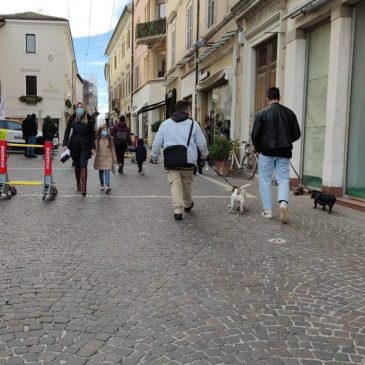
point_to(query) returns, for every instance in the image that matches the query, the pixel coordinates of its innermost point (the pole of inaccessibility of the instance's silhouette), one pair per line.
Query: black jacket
(82, 137)
(29, 127)
(274, 130)
(48, 130)
(140, 150)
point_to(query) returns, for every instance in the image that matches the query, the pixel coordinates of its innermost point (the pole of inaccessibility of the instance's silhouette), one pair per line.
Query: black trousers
(140, 164)
(120, 149)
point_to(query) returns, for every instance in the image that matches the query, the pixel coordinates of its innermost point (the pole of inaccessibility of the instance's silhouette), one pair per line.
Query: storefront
(316, 103)
(355, 176)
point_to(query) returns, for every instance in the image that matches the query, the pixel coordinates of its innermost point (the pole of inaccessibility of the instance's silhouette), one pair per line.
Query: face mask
(104, 133)
(80, 112)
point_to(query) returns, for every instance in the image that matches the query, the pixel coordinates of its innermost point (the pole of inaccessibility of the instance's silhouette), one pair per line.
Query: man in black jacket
(274, 131)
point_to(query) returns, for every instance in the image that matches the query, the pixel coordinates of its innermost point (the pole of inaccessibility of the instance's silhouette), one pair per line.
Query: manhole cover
(276, 240)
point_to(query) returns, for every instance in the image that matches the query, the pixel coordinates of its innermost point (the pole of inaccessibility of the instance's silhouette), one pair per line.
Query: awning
(220, 78)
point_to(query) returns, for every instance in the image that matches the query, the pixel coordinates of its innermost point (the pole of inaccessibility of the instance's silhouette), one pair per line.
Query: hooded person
(48, 129)
(184, 136)
(141, 154)
(122, 139)
(79, 138)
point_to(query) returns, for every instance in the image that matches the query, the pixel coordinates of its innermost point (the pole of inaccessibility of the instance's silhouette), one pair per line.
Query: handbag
(176, 156)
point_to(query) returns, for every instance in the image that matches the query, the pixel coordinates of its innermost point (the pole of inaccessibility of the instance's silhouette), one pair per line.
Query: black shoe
(120, 169)
(34, 156)
(178, 217)
(187, 210)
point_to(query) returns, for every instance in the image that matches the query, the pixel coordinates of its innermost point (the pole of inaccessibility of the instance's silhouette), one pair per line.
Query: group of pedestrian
(183, 142)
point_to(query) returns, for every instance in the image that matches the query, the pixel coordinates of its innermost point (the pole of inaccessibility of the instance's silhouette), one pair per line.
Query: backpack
(121, 137)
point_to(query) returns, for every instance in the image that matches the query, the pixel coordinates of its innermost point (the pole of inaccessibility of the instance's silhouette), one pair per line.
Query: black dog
(323, 199)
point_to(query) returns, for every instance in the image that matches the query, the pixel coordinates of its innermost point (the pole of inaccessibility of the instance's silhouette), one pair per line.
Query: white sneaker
(108, 189)
(267, 214)
(101, 187)
(284, 212)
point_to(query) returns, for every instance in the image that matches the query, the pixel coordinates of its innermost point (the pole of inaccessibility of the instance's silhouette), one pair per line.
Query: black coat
(82, 136)
(275, 129)
(29, 127)
(48, 130)
(141, 153)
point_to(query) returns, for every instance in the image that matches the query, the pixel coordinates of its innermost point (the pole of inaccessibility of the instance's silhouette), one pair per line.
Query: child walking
(141, 154)
(105, 157)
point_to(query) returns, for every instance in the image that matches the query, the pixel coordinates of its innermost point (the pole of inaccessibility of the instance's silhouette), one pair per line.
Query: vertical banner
(3, 157)
(47, 158)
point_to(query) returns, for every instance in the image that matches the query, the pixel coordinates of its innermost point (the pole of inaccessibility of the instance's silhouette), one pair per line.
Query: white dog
(238, 196)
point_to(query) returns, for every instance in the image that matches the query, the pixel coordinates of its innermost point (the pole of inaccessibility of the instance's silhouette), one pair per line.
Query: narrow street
(113, 279)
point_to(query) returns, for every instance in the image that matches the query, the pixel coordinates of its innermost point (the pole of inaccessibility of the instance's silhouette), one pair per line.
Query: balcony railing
(116, 104)
(151, 32)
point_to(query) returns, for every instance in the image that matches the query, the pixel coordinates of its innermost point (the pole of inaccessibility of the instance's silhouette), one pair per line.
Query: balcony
(116, 105)
(151, 33)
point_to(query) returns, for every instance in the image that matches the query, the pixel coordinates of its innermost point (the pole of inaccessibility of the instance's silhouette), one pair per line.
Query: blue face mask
(80, 112)
(104, 133)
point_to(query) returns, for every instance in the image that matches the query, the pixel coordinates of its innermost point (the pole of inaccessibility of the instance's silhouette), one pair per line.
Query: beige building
(201, 61)
(119, 77)
(37, 60)
(149, 66)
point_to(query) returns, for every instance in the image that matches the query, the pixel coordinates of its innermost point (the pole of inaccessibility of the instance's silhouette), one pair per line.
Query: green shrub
(155, 126)
(220, 148)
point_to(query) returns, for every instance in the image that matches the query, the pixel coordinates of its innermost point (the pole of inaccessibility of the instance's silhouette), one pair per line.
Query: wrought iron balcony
(116, 104)
(150, 33)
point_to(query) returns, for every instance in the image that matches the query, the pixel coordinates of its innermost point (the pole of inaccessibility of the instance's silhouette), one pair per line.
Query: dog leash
(300, 179)
(224, 178)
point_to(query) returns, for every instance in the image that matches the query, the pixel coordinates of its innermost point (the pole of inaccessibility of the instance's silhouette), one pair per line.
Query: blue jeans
(30, 150)
(107, 177)
(82, 160)
(267, 165)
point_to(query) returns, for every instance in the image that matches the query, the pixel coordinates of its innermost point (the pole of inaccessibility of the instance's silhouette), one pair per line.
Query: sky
(92, 23)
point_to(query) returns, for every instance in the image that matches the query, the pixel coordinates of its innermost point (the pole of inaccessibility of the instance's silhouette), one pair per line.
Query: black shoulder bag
(176, 156)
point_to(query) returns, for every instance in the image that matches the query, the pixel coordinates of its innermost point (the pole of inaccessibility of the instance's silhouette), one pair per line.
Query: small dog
(238, 196)
(323, 199)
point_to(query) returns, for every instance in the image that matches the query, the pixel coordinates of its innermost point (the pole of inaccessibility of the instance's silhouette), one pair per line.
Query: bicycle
(246, 167)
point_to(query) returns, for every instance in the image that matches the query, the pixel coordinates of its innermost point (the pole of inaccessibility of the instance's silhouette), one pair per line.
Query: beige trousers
(180, 182)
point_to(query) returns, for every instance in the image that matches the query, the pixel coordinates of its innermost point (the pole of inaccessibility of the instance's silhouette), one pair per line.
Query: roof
(29, 15)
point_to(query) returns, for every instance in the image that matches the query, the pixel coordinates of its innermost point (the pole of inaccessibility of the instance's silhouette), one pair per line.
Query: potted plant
(30, 99)
(155, 126)
(219, 151)
(68, 103)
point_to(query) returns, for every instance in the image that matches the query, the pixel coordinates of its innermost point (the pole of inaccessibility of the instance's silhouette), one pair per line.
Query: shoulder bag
(176, 156)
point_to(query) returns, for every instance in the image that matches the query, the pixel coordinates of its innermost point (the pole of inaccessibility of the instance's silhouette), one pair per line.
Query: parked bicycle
(246, 167)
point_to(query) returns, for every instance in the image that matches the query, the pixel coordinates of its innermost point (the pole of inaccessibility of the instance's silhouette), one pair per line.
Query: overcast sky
(103, 16)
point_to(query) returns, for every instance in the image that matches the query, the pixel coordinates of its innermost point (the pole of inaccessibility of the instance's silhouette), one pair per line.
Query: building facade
(119, 77)
(149, 66)
(37, 60)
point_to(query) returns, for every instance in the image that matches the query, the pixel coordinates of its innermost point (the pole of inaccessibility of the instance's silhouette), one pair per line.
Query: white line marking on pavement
(226, 186)
(127, 196)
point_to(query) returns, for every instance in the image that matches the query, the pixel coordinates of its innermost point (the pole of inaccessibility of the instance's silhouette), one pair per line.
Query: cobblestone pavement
(115, 280)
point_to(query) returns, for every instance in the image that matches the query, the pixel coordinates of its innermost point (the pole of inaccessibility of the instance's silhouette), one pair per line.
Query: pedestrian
(25, 133)
(31, 130)
(180, 136)
(122, 139)
(274, 130)
(80, 139)
(141, 154)
(49, 129)
(105, 157)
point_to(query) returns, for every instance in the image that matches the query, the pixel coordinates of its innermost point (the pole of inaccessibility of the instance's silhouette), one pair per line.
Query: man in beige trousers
(181, 130)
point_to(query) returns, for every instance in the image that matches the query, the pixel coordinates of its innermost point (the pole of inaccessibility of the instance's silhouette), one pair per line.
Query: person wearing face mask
(80, 139)
(105, 157)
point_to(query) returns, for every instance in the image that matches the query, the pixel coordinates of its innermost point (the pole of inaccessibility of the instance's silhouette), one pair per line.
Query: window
(128, 39)
(123, 50)
(14, 126)
(173, 47)
(30, 43)
(115, 62)
(189, 27)
(31, 85)
(161, 9)
(210, 19)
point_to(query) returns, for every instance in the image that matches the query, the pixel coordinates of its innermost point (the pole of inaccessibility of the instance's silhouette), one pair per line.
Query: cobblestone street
(113, 279)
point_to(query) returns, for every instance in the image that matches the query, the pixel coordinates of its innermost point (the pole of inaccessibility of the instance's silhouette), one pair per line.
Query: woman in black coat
(80, 139)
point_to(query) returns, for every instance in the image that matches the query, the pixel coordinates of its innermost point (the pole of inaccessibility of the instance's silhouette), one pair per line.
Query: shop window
(161, 9)
(30, 44)
(31, 85)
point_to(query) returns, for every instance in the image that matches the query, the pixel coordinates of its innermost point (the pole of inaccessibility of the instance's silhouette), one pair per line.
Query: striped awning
(220, 78)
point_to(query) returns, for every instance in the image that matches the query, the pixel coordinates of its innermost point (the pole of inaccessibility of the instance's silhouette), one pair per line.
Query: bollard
(4, 187)
(48, 158)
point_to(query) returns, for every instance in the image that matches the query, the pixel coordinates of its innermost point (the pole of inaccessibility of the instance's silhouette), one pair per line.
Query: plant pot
(222, 167)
